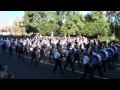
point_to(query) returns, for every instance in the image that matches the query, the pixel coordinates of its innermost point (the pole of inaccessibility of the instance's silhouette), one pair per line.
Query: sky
(7, 17)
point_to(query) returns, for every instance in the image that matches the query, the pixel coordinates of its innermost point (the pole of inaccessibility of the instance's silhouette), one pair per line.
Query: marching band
(97, 54)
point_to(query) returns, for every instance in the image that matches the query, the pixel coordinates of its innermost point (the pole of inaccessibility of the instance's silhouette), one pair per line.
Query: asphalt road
(26, 70)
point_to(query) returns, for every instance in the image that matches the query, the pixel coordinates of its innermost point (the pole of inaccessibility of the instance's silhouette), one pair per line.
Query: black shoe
(104, 70)
(92, 77)
(62, 73)
(109, 67)
(36, 64)
(82, 78)
(64, 69)
(73, 70)
(54, 71)
(101, 75)
(80, 65)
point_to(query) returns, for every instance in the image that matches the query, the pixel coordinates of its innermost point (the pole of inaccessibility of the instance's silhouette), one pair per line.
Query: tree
(31, 20)
(30, 29)
(67, 23)
(16, 24)
(96, 24)
(114, 20)
(113, 16)
(40, 20)
(74, 23)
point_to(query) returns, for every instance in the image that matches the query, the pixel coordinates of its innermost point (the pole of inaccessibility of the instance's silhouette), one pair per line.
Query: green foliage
(18, 29)
(30, 29)
(73, 24)
(104, 38)
(114, 20)
(67, 23)
(96, 24)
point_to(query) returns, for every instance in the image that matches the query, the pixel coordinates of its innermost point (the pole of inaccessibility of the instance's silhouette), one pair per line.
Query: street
(26, 70)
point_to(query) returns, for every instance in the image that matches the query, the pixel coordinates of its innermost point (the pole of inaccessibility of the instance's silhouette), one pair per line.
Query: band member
(58, 60)
(87, 66)
(4, 48)
(109, 60)
(34, 56)
(96, 66)
(76, 56)
(17, 48)
(116, 57)
(68, 55)
(25, 49)
(10, 50)
(51, 52)
(104, 60)
(42, 54)
(21, 51)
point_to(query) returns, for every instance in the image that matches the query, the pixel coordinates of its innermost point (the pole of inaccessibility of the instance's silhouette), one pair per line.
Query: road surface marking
(66, 68)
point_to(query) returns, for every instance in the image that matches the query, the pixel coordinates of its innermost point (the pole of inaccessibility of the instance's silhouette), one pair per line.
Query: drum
(103, 54)
(110, 52)
(114, 48)
(99, 57)
(95, 59)
(117, 46)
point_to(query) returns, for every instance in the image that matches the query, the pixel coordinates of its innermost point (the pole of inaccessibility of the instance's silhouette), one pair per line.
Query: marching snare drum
(99, 57)
(114, 48)
(110, 52)
(118, 47)
(103, 54)
(95, 59)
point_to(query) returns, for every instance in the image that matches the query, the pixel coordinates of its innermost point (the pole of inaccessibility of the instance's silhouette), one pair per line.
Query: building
(7, 30)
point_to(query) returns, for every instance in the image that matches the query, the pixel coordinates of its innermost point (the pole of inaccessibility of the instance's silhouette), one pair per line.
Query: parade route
(24, 70)
(60, 45)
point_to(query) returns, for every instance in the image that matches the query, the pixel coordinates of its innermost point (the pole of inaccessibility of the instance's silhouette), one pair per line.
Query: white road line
(76, 71)
(117, 64)
(66, 68)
